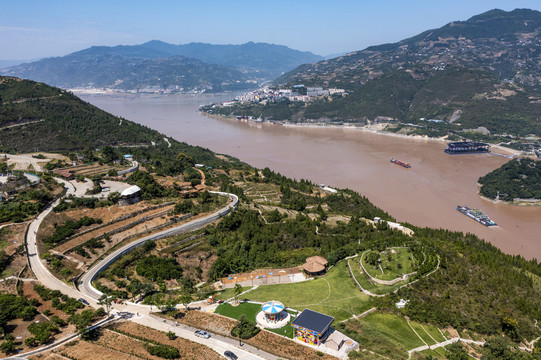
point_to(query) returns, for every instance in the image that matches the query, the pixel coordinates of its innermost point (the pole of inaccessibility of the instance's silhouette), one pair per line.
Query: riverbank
(516, 202)
(378, 129)
(425, 195)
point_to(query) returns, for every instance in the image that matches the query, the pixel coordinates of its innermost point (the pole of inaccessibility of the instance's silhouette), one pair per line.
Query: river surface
(425, 195)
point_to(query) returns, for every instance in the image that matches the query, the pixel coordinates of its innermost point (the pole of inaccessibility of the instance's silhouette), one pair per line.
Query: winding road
(90, 294)
(86, 281)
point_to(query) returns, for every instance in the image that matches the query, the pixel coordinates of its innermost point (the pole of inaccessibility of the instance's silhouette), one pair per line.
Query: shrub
(42, 331)
(244, 329)
(154, 267)
(164, 351)
(7, 347)
(30, 341)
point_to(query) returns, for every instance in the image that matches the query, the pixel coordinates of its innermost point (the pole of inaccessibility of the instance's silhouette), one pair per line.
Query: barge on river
(467, 147)
(476, 215)
(401, 163)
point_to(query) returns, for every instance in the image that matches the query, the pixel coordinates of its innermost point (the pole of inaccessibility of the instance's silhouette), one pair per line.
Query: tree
(321, 212)
(7, 346)
(171, 335)
(500, 348)
(185, 299)
(185, 161)
(183, 207)
(108, 154)
(237, 290)
(106, 300)
(30, 341)
(163, 351)
(457, 352)
(372, 258)
(244, 329)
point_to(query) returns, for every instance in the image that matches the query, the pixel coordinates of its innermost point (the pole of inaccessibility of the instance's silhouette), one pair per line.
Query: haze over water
(425, 195)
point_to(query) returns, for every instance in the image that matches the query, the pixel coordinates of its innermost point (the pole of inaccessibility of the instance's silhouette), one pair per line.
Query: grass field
(387, 335)
(393, 326)
(394, 264)
(438, 353)
(334, 294)
(229, 293)
(379, 289)
(250, 310)
(423, 334)
(434, 332)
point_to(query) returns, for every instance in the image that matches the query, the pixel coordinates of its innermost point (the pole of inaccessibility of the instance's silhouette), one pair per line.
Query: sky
(33, 29)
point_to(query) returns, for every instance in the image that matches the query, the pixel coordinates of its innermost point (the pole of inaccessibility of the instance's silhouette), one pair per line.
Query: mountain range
(482, 74)
(505, 43)
(160, 65)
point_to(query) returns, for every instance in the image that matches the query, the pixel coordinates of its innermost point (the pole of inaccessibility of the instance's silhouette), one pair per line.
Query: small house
(311, 326)
(315, 265)
(130, 196)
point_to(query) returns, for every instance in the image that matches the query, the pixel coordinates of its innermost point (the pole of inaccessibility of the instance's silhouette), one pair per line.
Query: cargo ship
(476, 215)
(401, 163)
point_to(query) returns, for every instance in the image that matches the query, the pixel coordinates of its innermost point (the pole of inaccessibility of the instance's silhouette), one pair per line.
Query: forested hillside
(463, 282)
(481, 75)
(518, 179)
(38, 117)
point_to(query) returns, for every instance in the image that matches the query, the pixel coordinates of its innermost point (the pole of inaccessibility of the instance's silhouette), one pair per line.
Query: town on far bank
(299, 92)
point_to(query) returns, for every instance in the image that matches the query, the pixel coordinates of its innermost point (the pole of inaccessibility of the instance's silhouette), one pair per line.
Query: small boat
(401, 163)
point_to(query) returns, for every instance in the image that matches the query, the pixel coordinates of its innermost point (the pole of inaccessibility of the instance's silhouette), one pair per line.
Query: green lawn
(433, 353)
(436, 334)
(250, 310)
(334, 294)
(287, 330)
(394, 327)
(229, 293)
(379, 289)
(441, 351)
(423, 334)
(393, 264)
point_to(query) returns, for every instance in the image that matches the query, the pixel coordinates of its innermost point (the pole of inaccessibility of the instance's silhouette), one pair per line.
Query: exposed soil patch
(12, 242)
(264, 340)
(190, 260)
(160, 213)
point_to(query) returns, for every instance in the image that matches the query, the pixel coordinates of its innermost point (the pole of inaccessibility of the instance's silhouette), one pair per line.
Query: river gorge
(425, 195)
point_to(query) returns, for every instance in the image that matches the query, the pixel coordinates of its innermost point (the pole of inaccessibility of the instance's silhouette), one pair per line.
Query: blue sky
(31, 29)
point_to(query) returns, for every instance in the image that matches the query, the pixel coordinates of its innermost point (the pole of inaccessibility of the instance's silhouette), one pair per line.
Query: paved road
(90, 294)
(37, 264)
(215, 342)
(86, 281)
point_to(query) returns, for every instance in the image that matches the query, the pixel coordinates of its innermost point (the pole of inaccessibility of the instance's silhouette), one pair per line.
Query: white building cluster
(266, 95)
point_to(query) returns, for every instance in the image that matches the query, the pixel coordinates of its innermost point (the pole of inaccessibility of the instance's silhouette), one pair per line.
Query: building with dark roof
(311, 326)
(467, 147)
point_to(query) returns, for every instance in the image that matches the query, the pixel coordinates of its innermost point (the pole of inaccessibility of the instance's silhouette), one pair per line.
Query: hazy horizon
(33, 29)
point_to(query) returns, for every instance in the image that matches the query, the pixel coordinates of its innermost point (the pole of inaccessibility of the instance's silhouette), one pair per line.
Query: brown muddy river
(425, 195)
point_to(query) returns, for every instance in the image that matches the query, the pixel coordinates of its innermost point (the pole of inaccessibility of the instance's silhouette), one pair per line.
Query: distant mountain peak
(506, 43)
